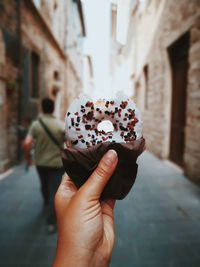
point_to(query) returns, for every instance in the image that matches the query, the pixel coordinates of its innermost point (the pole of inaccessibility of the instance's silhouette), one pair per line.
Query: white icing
(77, 129)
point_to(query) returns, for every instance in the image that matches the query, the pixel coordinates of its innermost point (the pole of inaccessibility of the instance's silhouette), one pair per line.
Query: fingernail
(110, 156)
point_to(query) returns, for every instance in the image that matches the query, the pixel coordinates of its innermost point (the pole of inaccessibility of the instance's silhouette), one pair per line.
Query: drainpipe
(19, 79)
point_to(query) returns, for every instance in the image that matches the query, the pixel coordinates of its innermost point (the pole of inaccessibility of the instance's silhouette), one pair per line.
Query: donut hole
(105, 126)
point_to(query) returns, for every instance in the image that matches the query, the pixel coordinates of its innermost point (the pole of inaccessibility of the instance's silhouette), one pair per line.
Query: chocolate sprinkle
(91, 121)
(72, 122)
(87, 127)
(123, 128)
(89, 115)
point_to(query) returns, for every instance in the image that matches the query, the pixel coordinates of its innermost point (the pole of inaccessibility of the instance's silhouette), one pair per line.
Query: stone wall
(169, 23)
(46, 35)
(74, 85)
(74, 50)
(192, 149)
(3, 133)
(52, 59)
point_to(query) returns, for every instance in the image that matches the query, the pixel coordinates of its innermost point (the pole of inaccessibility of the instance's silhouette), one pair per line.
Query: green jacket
(46, 153)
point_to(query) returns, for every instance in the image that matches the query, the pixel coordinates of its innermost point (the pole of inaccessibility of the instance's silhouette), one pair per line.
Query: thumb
(95, 184)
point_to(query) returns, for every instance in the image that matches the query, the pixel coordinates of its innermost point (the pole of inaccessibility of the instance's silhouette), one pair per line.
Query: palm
(97, 220)
(100, 220)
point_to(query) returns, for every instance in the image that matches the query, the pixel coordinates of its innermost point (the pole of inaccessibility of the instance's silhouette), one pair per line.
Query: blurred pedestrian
(85, 222)
(46, 135)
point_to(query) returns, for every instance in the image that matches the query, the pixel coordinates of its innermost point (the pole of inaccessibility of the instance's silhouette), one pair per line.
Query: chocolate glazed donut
(80, 163)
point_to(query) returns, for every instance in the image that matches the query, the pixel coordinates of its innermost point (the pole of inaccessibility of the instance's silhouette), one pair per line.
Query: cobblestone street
(158, 224)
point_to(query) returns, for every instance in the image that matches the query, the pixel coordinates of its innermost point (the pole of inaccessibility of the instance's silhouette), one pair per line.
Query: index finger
(95, 184)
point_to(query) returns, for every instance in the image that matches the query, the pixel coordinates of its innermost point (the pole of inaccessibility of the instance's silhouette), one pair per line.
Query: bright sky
(97, 19)
(97, 15)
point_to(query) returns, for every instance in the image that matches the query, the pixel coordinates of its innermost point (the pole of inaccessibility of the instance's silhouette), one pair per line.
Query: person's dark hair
(47, 105)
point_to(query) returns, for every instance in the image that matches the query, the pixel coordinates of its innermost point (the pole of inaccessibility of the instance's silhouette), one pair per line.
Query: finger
(67, 188)
(107, 210)
(69, 144)
(95, 184)
(110, 202)
(108, 206)
(63, 196)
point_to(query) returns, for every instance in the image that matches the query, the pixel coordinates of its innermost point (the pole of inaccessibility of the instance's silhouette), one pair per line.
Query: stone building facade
(165, 73)
(75, 33)
(34, 63)
(121, 56)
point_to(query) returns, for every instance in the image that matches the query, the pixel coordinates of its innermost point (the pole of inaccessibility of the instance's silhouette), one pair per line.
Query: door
(178, 54)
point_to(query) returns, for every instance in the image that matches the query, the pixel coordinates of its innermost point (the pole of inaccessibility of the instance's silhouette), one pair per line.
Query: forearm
(27, 146)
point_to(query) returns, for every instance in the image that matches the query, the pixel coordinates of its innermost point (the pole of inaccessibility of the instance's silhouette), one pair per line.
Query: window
(146, 85)
(90, 66)
(56, 20)
(137, 87)
(55, 4)
(114, 20)
(11, 43)
(34, 76)
(56, 75)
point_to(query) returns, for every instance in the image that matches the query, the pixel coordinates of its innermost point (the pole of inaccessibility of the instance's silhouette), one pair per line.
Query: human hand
(85, 223)
(26, 147)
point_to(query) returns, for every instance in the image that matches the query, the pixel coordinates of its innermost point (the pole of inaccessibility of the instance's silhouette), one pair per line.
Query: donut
(94, 127)
(89, 123)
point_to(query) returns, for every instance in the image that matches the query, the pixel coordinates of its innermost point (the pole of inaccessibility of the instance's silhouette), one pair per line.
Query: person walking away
(47, 155)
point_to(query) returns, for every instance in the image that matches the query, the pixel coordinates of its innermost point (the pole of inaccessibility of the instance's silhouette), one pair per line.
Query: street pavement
(157, 225)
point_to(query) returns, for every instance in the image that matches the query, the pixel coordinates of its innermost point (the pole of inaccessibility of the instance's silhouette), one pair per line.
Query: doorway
(178, 55)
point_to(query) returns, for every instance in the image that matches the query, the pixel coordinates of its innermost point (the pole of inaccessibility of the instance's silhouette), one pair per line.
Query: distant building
(75, 31)
(164, 45)
(36, 61)
(121, 60)
(88, 75)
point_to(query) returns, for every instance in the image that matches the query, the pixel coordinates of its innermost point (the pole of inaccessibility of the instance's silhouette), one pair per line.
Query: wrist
(78, 257)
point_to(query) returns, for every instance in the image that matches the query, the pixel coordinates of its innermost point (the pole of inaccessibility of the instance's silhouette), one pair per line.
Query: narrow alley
(156, 225)
(147, 51)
